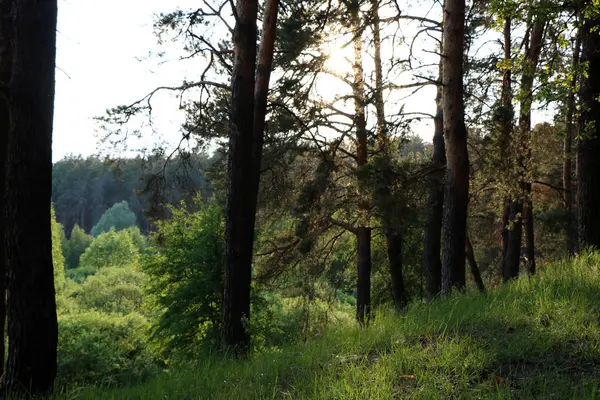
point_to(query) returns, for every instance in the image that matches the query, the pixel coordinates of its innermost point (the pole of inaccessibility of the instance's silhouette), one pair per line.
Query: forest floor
(534, 338)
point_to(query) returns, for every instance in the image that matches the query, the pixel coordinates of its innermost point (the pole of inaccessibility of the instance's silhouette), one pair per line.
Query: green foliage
(58, 260)
(184, 266)
(110, 249)
(532, 338)
(103, 349)
(111, 290)
(119, 217)
(75, 246)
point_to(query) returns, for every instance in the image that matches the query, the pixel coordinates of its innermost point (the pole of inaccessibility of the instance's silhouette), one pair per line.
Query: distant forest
(84, 188)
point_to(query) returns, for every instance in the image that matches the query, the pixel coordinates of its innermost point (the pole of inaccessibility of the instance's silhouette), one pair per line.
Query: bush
(75, 246)
(111, 290)
(103, 349)
(184, 266)
(111, 249)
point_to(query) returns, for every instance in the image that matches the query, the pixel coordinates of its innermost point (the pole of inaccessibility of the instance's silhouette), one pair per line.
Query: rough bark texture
(456, 195)
(261, 88)
(588, 155)
(505, 133)
(522, 208)
(240, 217)
(432, 261)
(5, 68)
(32, 328)
(475, 273)
(363, 236)
(570, 131)
(363, 285)
(393, 236)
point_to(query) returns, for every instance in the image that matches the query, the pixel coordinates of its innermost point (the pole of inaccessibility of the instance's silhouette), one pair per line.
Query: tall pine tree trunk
(588, 154)
(432, 261)
(506, 121)
(363, 236)
(523, 207)
(5, 68)
(456, 195)
(570, 131)
(393, 236)
(32, 327)
(240, 215)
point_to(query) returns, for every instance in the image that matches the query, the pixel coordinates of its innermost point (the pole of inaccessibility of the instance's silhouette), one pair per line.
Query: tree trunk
(473, 264)
(570, 229)
(518, 211)
(505, 134)
(363, 285)
(240, 216)
(5, 68)
(393, 235)
(261, 88)
(433, 229)
(456, 195)
(363, 236)
(588, 155)
(32, 327)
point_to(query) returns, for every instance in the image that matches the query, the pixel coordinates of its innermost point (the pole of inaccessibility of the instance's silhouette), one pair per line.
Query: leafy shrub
(75, 246)
(111, 249)
(111, 290)
(58, 260)
(119, 217)
(103, 349)
(184, 266)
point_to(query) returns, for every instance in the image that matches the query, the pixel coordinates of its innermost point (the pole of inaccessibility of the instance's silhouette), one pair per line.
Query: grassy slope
(537, 338)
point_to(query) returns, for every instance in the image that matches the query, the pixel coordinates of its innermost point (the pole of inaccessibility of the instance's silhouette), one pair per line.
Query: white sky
(99, 45)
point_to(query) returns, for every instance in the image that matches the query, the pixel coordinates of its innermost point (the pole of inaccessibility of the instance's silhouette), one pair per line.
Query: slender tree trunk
(363, 285)
(5, 68)
(456, 195)
(261, 88)
(363, 236)
(32, 327)
(240, 216)
(473, 264)
(393, 236)
(433, 229)
(588, 155)
(505, 134)
(570, 229)
(523, 207)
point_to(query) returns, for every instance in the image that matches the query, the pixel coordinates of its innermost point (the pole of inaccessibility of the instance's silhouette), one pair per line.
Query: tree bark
(5, 68)
(475, 273)
(433, 229)
(32, 327)
(505, 134)
(363, 284)
(363, 236)
(570, 229)
(240, 216)
(393, 236)
(456, 195)
(588, 154)
(522, 208)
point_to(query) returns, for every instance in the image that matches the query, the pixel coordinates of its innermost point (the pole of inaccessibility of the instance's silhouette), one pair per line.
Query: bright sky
(100, 44)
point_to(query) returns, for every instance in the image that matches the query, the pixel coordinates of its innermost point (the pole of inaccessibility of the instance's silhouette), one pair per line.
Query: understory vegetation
(533, 338)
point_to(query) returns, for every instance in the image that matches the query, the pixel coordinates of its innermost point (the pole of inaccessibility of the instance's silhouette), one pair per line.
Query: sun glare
(339, 56)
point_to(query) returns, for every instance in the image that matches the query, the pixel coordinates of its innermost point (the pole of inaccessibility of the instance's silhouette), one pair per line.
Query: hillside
(534, 338)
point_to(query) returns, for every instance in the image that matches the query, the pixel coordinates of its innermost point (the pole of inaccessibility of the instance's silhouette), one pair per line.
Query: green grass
(535, 338)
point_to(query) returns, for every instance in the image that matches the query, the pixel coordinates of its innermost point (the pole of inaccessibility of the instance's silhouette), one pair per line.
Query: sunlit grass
(535, 338)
